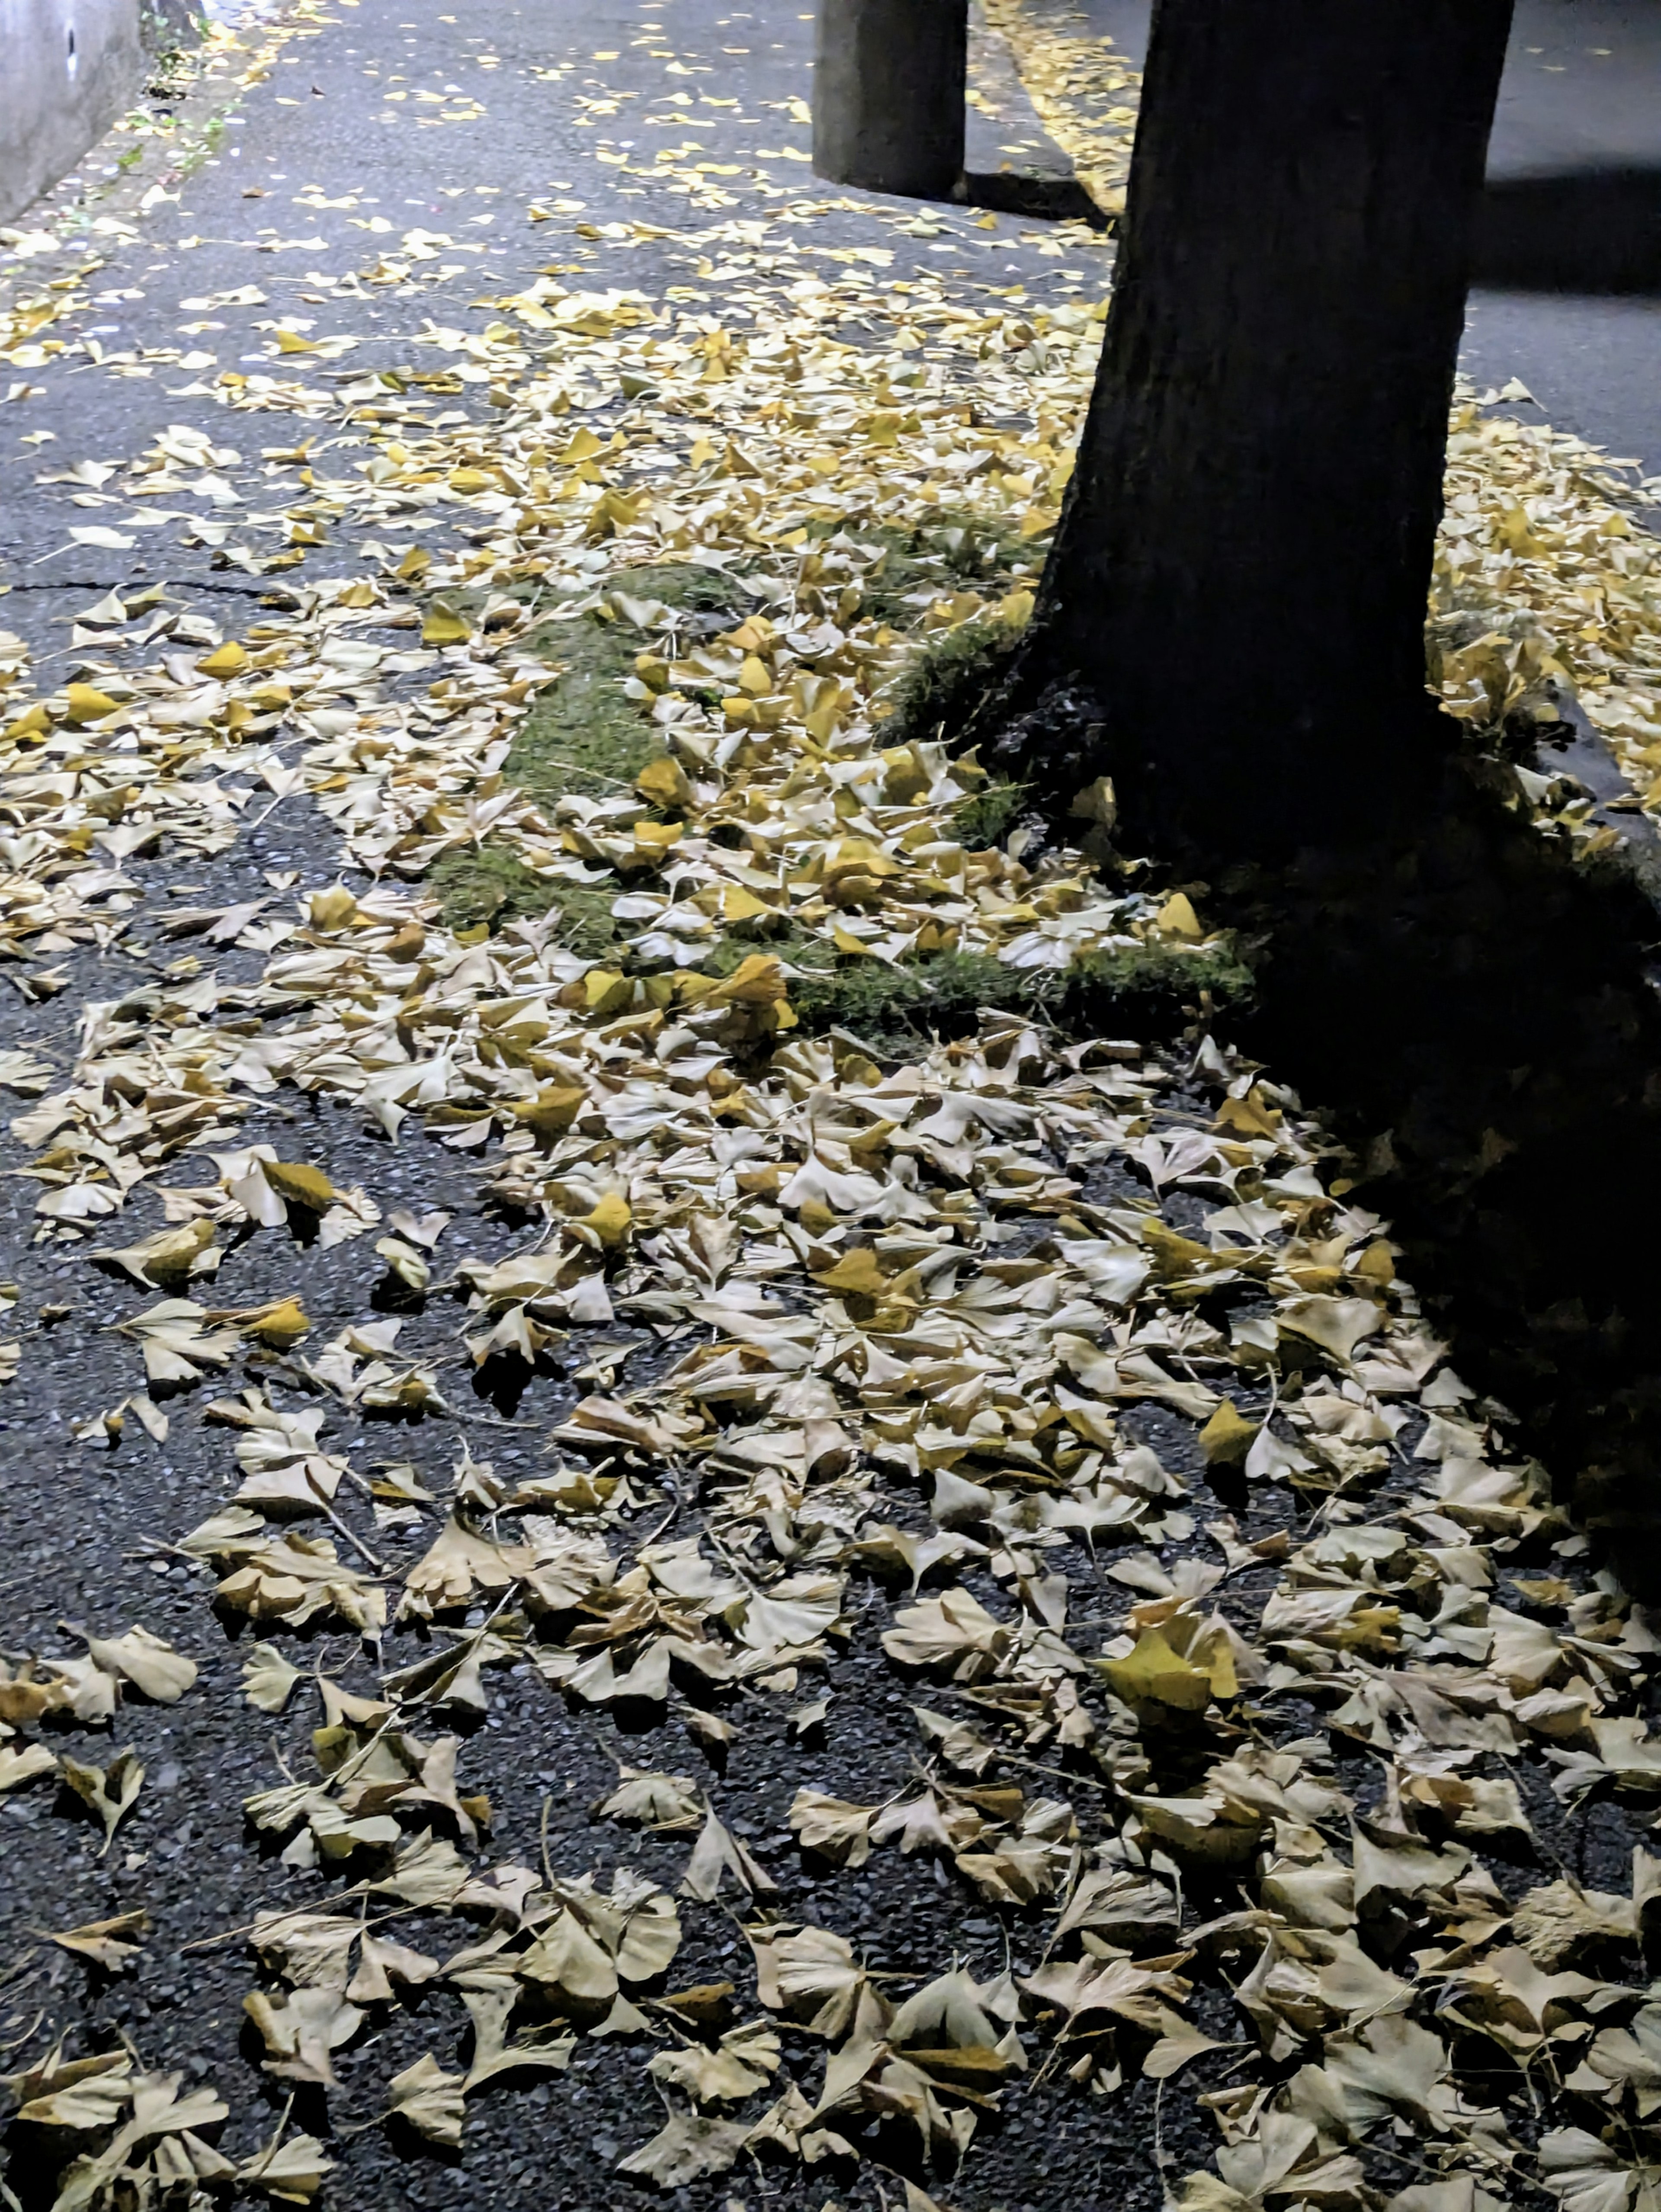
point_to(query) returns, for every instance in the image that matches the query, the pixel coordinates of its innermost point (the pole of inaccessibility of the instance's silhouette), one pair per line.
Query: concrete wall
(67, 69)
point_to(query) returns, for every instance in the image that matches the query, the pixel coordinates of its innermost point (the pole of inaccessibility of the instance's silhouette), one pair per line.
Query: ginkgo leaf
(302, 2029)
(176, 1348)
(1175, 2049)
(885, 1546)
(953, 1629)
(664, 782)
(403, 1261)
(738, 2065)
(299, 1184)
(268, 1679)
(1117, 1897)
(169, 1258)
(1227, 1437)
(1177, 918)
(280, 1324)
(1588, 2175)
(443, 626)
(1337, 1325)
(859, 1273)
(109, 1793)
(292, 2170)
(687, 2146)
(811, 1974)
(835, 1830)
(330, 909)
(945, 2013)
(18, 1766)
(384, 1966)
(663, 1802)
(111, 1944)
(430, 2101)
(87, 703)
(1155, 1673)
(547, 2048)
(1557, 1919)
(717, 1855)
(567, 1958)
(608, 1224)
(87, 2095)
(958, 1744)
(148, 1662)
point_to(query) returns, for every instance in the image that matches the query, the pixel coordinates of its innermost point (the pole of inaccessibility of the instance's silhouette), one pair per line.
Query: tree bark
(1241, 571)
(889, 80)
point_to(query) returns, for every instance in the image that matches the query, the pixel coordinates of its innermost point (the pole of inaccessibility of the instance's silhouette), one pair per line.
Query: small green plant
(168, 27)
(990, 815)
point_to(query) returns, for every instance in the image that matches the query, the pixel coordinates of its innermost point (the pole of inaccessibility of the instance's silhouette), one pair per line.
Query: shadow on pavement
(1474, 1010)
(1590, 231)
(1045, 198)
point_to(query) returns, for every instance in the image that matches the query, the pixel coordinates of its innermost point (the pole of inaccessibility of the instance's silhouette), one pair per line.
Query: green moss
(584, 736)
(792, 944)
(587, 737)
(942, 993)
(491, 884)
(947, 678)
(1155, 978)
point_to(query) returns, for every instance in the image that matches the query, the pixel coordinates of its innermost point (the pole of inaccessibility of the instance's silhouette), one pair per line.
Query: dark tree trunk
(1241, 572)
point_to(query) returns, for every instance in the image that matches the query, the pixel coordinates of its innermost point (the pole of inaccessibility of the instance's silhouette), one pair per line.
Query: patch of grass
(942, 993)
(947, 678)
(584, 737)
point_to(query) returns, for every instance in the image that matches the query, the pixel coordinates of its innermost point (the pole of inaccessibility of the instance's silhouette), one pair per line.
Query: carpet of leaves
(1065, 1381)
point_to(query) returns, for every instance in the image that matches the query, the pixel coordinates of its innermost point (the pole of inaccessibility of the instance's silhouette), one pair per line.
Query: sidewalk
(694, 1472)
